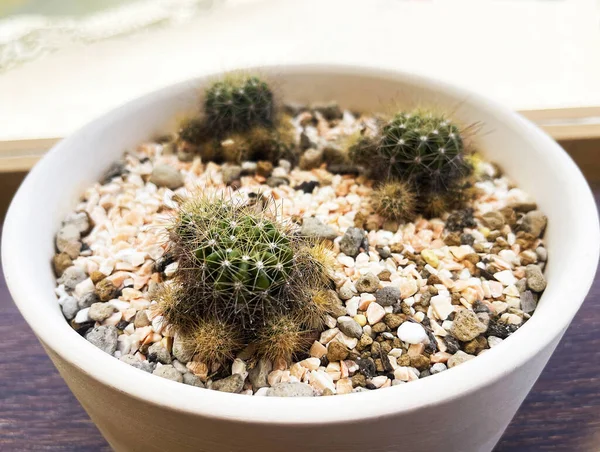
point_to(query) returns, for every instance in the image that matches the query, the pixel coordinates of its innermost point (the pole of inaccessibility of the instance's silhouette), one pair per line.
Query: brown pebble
(393, 321)
(336, 351)
(264, 168)
(97, 276)
(379, 327)
(452, 239)
(386, 347)
(375, 349)
(403, 361)
(420, 362)
(379, 365)
(493, 219)
(384, 275)
(141, 319)
(60, 262)
(106, 290)
(364, 341)
(359, 380)
(474, 346)
(472, 258)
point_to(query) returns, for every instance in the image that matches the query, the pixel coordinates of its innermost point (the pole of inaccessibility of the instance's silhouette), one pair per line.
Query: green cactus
(423, 147)
(240, 268)
(394, 201)
(238, 103)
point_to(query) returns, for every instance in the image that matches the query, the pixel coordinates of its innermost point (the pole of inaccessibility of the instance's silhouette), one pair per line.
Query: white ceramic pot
(464, 409)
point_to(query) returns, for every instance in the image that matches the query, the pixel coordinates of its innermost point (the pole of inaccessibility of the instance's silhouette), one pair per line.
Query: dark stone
(343, 168)
(305, 142)
(370, 386)
(307, 186)
(467, 239)
(330, 110)
(367, 367)
(388, 296)
(452, 344)
(498, 329)
(277, 181)
(161, 264)
(479, 306)
(352, 241)
(461, 219)
(114, 170)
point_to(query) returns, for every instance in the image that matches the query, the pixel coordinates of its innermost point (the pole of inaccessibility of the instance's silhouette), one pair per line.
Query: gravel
(168, 372)
(233, 383)
(535, 279)
(352, 241)
(71, 277)
(313, 227)
(290, 389)
(166, 176)
(388, 296)
(104, 337)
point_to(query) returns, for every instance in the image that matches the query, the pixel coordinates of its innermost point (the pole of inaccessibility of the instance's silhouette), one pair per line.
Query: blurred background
(64, 62)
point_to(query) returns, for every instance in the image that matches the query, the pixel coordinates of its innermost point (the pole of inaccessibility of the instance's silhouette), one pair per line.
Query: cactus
(241, 269)
(394, 201)
(362, 150)
(238, 103)
(423, 147)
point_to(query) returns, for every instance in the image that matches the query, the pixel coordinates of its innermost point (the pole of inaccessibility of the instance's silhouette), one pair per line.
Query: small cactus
(362, 150)
(241, 270)
(424, 147)
(394, 201)
(238, 103)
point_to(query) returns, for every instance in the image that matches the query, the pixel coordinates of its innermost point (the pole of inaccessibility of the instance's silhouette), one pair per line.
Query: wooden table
(562, 412)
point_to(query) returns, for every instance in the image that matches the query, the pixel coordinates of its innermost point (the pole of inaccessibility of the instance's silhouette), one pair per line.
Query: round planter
(464, 409)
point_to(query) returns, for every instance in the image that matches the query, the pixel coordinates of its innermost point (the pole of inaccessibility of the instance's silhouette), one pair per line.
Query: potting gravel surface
(413, 299)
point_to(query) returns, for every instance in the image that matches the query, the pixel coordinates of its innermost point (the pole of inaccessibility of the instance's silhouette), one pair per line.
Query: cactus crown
(394, 200)
(238, 103)
(241, 268)
(421, 146)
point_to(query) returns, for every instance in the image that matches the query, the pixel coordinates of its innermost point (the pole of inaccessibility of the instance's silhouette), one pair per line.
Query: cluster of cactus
(420, 157)
(239, 121)
(244, 278)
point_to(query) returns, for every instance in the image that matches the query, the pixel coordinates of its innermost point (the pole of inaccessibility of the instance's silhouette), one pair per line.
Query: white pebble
(82, 316)
(506, 277)
(352, 306)
(412, 333)
(493, 341)
(437, 368)
(375, 313)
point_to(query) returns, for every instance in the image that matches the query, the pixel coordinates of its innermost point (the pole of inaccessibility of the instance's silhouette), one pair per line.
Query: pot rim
(539, 332)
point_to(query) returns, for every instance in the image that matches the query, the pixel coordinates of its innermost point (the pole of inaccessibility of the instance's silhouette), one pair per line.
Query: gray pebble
(350, 327)
(535, 279)
(345, 293)
(290, 389)
(192, 380)
(277, 181)
(249, 167)
(384, 252)
(141, 319)
(88, 299)
(367, 283)
(136, 362)
(259, 373)
(528, 302)
(521, 285)
(285, 164)
(313, 227)
(352, 241)
(437, 368)
(70, 307)
(157, 352)
(231, 173)
(80, 220)
(166, 176)
(180, 351)
(103, 337)
(534, 222)
(493, 220)
(168, 372)
(233, 384)
(388, 296)
(542, 253)
(180, 366)
(67, 240)
(71, 277)
(100, 311)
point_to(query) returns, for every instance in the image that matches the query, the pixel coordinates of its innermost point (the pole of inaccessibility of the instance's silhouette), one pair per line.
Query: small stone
(115, 169)
(388, 296)
(106, 290)
(364, 342)
(367, 283)
(360, 319)
(311, 159)
(249, 167)
(168, 372)
(97, 276)
(336, 351)
(349, 327)
(307, 186)
(466, 326)
(230, 173)
(375, 313)
(277, 181)
(542, 253)
(535, 279)
(192, 380)
(493, 220)
(80, 220)
(103, 337)
(528, 302)
(506, 277)
(60, 262)
(412, 333)
(67, 240)
(345, 292)
(317, 350)
(100, 311)
(467, 239)
(181, 368)
(141, 320)
(420, 362)
(330, 110)
(476, 345)
(393, 321)
(157, 352)
(367, 367)
(534, 222)
(313, 227)
(264, 168)
(437, 368)
(259, 373)
(166, 176)
(136, 362)
(71, 277)
(352, 241)
(181, 352)
(430, 257)
(290, 389)
(458, 358)
(233, 384)
(359, 380)
(69, 307)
